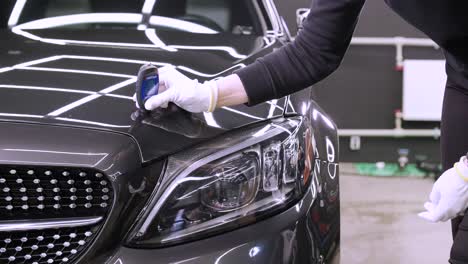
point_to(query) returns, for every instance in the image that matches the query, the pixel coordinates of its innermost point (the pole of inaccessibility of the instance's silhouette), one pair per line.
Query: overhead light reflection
(30, 63)
(15, 14)
(74, 105)
(201, 74)
(291, 105)
(153, 37)
(227, 252)
(282, 128)
(262, 131)
(231, 51)
(75, 71)
(65, 119)
(35, 62)
(210, 121)
(118, 86)
(327, 121)
(120, 96)
(148, 6)
(181, 25)
(273, 104)
(34, 37)
(92, 97)
(142, 27)
(90, 122)
(126, 18)
(20, 115)
(185, 260)
(104, 155)
(57, 152)
(25, 87)
(254, 251)
(305, 107)
(6, 69)
(87, 18)
(113, 60)
(242, 113)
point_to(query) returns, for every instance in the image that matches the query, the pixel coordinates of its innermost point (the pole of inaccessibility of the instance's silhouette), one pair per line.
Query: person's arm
(315, 53)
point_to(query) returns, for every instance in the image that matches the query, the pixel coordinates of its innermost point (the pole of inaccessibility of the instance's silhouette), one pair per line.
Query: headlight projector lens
(236, 183)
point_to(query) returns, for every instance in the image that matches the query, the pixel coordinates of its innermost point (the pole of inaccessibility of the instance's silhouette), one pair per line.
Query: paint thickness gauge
(147, 84)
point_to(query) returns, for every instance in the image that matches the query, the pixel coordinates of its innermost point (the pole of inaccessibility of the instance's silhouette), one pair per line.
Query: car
(86, 177)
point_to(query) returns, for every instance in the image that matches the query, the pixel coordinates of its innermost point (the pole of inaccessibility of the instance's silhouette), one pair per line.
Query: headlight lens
(231, 182)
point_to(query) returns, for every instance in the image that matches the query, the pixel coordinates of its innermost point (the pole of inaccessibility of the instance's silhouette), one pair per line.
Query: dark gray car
(86, 178)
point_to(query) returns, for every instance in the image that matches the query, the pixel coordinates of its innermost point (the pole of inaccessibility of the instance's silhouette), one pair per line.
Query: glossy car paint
(41, 83)
(80, 76)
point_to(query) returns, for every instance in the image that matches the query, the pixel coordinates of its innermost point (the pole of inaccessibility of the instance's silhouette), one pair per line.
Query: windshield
(200, 16)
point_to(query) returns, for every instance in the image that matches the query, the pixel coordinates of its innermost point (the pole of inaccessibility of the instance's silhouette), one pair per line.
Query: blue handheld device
(147, 84)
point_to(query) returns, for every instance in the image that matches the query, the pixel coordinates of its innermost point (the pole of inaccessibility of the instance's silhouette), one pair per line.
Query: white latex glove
(449, 196)
(188, 94)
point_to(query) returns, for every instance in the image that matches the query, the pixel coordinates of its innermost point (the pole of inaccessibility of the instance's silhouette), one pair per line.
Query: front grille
(46, 246)
(37, 193)
(38, 197)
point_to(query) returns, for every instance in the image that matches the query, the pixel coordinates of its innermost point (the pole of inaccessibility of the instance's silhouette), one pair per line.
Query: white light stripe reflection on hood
(88, 18)
(201, 74)
(66, 119)
(180, 25)
(30, 63)
(273, 104)
(25, 87)
(106, 59)
(57, 152)
(210, 121)
(120, 96)
(90, 122)
(28, 35)
(153, 37)
(148, 6)
(92, 97)
(20, 115)
(104, 155)
(242, 113)
(15, 14)
(74, 105)
(231, 51)
(75, 71)
(125, 18)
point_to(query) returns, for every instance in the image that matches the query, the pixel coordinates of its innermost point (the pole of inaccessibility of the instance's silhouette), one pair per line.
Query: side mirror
(301, 15)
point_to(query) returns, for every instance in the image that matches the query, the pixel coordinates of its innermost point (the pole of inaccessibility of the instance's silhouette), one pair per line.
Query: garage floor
(380, 222)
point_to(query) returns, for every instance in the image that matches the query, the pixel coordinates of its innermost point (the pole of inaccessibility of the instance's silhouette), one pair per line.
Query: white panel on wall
(423, 89)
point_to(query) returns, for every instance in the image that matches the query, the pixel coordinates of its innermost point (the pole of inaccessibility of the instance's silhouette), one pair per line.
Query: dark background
(366, 90)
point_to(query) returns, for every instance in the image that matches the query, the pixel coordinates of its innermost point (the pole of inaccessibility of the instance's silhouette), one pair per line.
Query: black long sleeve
(316, 52)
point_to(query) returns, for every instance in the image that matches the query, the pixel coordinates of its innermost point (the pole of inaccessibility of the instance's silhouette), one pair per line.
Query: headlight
(236, 180)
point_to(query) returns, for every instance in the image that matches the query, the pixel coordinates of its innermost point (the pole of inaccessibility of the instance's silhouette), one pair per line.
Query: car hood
(85, 78)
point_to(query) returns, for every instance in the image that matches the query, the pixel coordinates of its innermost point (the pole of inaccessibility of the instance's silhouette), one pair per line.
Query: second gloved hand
(449, 196)
(186, 93)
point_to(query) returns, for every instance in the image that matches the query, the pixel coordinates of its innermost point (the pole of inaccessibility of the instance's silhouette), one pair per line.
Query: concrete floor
(380, 224)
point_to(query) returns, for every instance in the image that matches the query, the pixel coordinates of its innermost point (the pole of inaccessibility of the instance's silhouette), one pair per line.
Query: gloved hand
(449, 196)
(188, 94)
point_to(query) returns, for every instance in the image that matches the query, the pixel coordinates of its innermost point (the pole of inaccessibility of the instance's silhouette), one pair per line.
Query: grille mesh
(29, 193)
(37, 193)
(49, 246)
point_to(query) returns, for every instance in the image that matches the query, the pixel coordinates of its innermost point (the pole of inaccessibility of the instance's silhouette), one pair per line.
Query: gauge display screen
(149, 87)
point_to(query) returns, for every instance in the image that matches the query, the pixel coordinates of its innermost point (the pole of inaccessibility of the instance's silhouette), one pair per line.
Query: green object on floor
(388, 170)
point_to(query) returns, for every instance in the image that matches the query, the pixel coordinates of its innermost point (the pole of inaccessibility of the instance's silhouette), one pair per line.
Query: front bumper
(284, 238)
